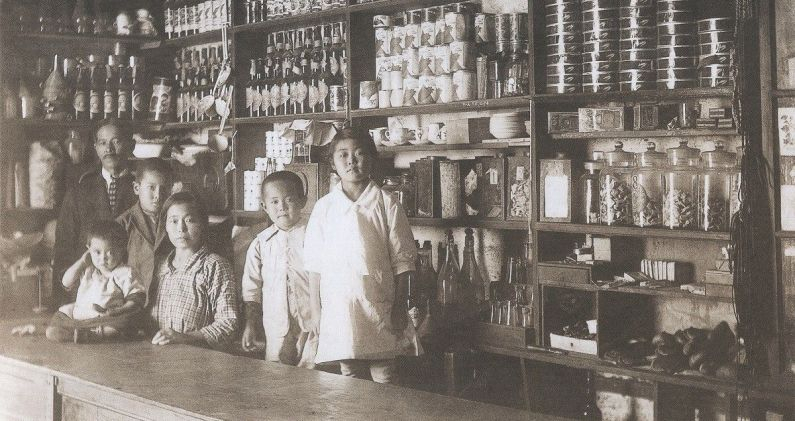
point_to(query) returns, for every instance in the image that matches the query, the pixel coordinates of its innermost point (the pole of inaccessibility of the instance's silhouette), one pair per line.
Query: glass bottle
(95, 98)
(447, 285)
(287, 69)
(680, 204)
(55, 94)
(473, 296)
(168, 18)
(614, 187)
(336, 55)
(109, 96)
(407, 192)
(426, 272)
(647, 187)
(82, 87)
(252, 88)
(124, 98)
(137, 91)
(517, 82)
(719, 186)
(75, 147)
(589, 193)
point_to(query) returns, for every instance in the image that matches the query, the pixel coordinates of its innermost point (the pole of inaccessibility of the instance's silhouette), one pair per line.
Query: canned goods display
(715, 42)
(716, 24)
(676, 42)
(484, 28)
(412, 29)
(676, 83)
(564, 45)
(462, 56)
(464, 85)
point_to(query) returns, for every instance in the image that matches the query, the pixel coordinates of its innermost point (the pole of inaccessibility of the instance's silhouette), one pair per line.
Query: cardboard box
(491, 187)
(468, 130)
(604, 119)
(429, 198)
(316, 182)
(555, 190)
(645, 117)
(562, 122)
(719, 277)
(519, 187)
(583, 346)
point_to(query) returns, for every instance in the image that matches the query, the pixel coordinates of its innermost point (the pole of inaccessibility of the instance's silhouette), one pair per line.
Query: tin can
(599, 14)
(338, 98)
(716, 24)
(674, 52)
(599, 4)
(382, 21)
(601, 56)
(564, 69)
(502, 27)
(160, 103)
(458, 27)
(444, 89)
(440, 26)
(600, 66)
(715, 71)
(464, 85)
(564, 79)
(601, 35)
(679, 40)
(484, 28)
(462, 56)
(482, 81)
(562, 88)
(599, 77)
(637, 44)
(398, 39)
(676, 28)
(716, 48)
(600, 46)
(428, 93)
(677, 74)
(555, 18)
(631, 55)
(637, 11)
(428, 27)
(411, 90)
(638, 32)
(427, 60)
(647, 65)
(638, 76)
(564, 58)
(676, 83)
(442, 58)
(712, 37)
(518, 26)
(413, 30)
(677, 62)
(566, 48)
(562, 39)
(716, 82)
(715, 59)
(383, 42)
(600, 87)
(411, 62)
(636, 3)
(600, 24)
(368, 94)
(552, 8)
(637, 86)
(564, 28)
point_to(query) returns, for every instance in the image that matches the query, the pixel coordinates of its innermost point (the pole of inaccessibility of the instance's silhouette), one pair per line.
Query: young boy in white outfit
(275, 285)
(107, 286)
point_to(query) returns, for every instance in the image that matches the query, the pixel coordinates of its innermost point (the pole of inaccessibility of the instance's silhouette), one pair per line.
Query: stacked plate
(564, 46)
(715, 42)
(506, 125)
(600, 45)
(677, 60)
(638, 45)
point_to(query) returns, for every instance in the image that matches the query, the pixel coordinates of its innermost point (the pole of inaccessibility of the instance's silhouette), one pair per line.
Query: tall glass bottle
(448, 283)
(80, 100)
(95, 94)
(124, 100)
(472, 297)
(336, 55)
(109, 97)
(55, 93)
(80, 17)
(137, 90)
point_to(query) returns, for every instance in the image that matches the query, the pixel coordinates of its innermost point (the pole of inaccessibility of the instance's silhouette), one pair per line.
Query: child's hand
(250, 342)
(399, 318)
(170, 336)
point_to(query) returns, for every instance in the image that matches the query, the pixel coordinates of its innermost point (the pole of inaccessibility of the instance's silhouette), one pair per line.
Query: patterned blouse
(200, 296)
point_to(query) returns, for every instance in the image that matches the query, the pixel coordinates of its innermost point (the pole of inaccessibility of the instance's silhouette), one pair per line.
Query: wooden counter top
(204, 384)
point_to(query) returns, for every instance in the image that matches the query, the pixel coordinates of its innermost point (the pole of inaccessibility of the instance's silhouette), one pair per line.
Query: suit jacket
(83, 204)
(145, 248)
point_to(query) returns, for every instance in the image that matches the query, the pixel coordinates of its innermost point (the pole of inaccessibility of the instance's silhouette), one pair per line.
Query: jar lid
(593, 165)
(650, 157)
(618, 157)
(683, 155)
(718, 158)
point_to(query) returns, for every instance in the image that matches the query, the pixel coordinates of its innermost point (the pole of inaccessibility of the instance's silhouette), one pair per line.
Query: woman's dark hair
(195, 203)
(110, 231)
(360, 137)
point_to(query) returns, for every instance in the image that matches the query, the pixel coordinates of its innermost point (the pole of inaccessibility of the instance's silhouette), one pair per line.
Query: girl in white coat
(359, 241)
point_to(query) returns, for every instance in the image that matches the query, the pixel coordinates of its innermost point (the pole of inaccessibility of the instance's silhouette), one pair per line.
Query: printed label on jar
(123, 101)
(138, 102)
(442, 54)
(398, 40)
(383, 41)
(338, 98)
(484, 28)
(95, 102)
(160, 105)
(109, 102)
(427, 34)
(412, 36)
(427, 62)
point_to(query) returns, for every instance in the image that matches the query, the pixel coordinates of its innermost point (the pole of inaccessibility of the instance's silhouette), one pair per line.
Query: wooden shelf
(66, 41)
(389, 6)
(630, 231)
(186, 41)
(42, 124)
(470, 222)
(784, 93)
(384, 151)
(645, 133)
(175, 125)
(659, 292)
(334, 115)
(453, 107)
(785, 234)
(656, 95)
(552, 356)
(314, 18)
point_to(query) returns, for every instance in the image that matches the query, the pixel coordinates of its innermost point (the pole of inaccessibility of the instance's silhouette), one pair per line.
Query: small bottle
(137, 107)
(95, 98)
(589, 193)
(82, 87)
(473, 297)
(448, 282)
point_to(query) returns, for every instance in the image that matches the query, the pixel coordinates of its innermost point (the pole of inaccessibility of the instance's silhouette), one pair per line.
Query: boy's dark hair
(288, 177)
(361, 138)
(190, 199)
(156, 165)
(110, 231)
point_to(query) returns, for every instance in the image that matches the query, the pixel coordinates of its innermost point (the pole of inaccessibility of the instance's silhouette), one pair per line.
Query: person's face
(183, 227)
(112, 149)
(351, 162)
(282, 204)
(104, 255)
(152, 191)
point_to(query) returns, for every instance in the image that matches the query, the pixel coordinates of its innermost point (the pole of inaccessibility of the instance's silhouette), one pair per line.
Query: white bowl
(148, 150)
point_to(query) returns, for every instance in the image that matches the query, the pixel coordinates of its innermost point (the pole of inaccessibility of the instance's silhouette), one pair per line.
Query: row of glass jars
(679, 189)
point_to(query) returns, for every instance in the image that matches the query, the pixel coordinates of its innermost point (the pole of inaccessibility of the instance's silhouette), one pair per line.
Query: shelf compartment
(334, 115)
(314, 18)
(394, 150)
(470, 222)
(659, 292)
(186, 41)
(630, 231)
(35, 39)
(453, 107)
(389, 6)
(645, 133)
(176, 125)
(658, 95)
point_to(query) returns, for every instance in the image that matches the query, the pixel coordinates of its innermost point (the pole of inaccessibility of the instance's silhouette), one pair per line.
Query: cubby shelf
(453, 107)
(651, 95)
(333, 115)
(394, 150)
(470, 222)
(645, 133)
(660, 292)
(630, 231)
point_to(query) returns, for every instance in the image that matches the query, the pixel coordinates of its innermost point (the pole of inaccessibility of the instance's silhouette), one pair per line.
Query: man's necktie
(112, 195)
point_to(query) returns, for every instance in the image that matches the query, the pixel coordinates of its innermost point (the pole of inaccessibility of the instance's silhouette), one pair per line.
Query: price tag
(494, 176)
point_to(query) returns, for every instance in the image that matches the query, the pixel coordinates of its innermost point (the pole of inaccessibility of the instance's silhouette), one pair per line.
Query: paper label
(788, 207)
(556, 193)
(520, 173)
(494, 177)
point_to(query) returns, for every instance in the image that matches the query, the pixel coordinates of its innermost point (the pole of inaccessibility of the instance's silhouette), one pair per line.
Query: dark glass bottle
(124, 98)
(448, 281)
(336, 55)
(472, 297)
(137, 96)
(109, 96)
(288, 59)
(95, 95)
(204, 70)
(82, 87)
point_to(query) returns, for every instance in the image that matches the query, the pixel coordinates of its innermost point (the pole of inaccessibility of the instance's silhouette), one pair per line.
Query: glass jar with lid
(718, 186)
(680, 204)
(589, 193)
(614, 187)
(407, 193)
(648, 187)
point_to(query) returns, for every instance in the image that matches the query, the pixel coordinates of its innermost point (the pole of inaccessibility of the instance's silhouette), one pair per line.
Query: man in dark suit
(102, 193)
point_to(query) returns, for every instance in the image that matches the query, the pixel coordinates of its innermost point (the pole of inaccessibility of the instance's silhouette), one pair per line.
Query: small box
(555, 184)
(725, 123)
(583, 346)
(720, 112)
(604, 119)
(467, 130)
(719, 277)
(562, 122)
(717, 290)
(429, 198)
(602, 249)
(669, 113)
(316, 182)
(706, 123)
(491, 186)
(645, 117)
(572, 273)
(454, 175)
(519, 188)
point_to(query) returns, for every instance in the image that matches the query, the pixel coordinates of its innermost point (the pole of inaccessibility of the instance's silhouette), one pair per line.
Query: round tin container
(674, 16)
(518, 26)
(637, 43)
(368, 94)
(411, 61)
(440, 26)
(398, 34)
(637, 86)
(599, 14)
(715, 71)
(674, 52)
(637, 76)
(502, 24)
(600, 66)
(382, 21)
(462, 56)
(564, 49)
(679, 62)
(639, 22)
(717, 82)
(715, 24)
(646, 32)
(458, 26)
(676, 28)
(383, 42)
(485, 30)
(600, 77)
(562, 39)
(563, 28)
(599, 24)
(464, 85)
(427, 60)
(413, 30)
(562, 88)
(564, 59)
(673, 73)
(428, 27)
(427, 93)
(444, 89)
(564, 69)
(676, 84)
(611, 56)
(676, 40)
(600, 87)
(411, 88)
(637, 12)
(631, 55)
(599, 4)
(562, 7)
(716, 48)
(564, 79)
(160, 104)
(601, 35)
(338, 98)
(715, 59)
(710, 37)
(443, 59)
(636, 3)
(600, 46)
(674, 5)
(647, 65)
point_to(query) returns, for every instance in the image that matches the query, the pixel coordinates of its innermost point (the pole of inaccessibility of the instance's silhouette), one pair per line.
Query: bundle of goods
(711, 352)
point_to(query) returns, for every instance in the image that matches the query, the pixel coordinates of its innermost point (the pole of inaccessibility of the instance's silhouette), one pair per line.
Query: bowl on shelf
(506, 125)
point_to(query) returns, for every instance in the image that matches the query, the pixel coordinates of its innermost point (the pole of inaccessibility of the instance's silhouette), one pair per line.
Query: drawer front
(25, 394)
(562, 273)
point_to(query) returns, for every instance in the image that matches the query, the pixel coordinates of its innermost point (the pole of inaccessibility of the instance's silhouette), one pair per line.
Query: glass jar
(648, 187)
(407, 193)
(589, 193)
(614, 187)
(718, 186)
(680, 204)
(391, 184)
(517, 82)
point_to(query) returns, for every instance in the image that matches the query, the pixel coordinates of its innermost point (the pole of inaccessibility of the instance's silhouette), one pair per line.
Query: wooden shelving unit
(67, 40)
(644, 134)
(657, 292)
(267, 120)
(441, 148)
(630, 231)
(186, 41)
(522, 102)
(287, 22)
(470, 222)
(634, 96)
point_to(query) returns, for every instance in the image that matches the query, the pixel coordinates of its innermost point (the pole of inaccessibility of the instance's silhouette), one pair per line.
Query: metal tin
(637, 44)
(637, 76)
(562, 88)
(676, 83)
(685, 5)
(681, 73)
(427, 93)
(601, 56)
(481, 63)
(599, 66)
(677, 62)
(338, 98)
(674, 16)
(715, 24)
(444, 89)
(637, 22)
(637, 86)
(599, 4)
(458, 27)
(601, 35)
(555, 18)
(411, 61)
(428, 27)
(600, 87)
(600, 46)
(442, 56)
(717, 82)
(644, 32)
(564, 79)
(710, 37)
(562, 39)
(440, 26)
(398, 34)
(413, 33)
(564, 58)
(502, 25)
(636, 3)
(716, 48)
(464, 85)
(631, 55)
(462, 56)
(427, 60)
(715, 71)
(563, 28)
(484, 28)
(382, 21)
(564, 69)
(599, 24)
(368, 94)
(637, 12)
(411, 90)
(599, 77)
(518, 26)
(673, 52)
(715, 59)
(562, 7)
(599, 14)
(677, 28)
(571, 48)
(160, 104)
(647, 65)
(383, 42)
(680, 40)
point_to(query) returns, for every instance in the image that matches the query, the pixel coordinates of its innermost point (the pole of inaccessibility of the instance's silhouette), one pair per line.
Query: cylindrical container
(648, 187)
(428, 27)
(444, 87)
(462, 56)
(440, 26)
(407, 194)
(368, 94)
(398, 33)
(518, 26)
(484, 28)
(427, 60)
(482, 77)
(502, 27)
(458, 26)
(383, 41)
(411, 90)
(443, 59)
(680, 204)
(589, 193)
(411, 62)
(412, 30)
(464, 85)
(451, 189)
(427, 92)
(719, 184)
(160, 104)
(382, 21)
(395, 79)
(384, 99)
(615, 189)
(338, 98)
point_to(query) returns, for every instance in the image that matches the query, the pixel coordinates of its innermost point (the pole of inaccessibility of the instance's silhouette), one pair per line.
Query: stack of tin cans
(564, 46)
(715, 42)
(600, 44)
(677, 60)
(638, 45)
